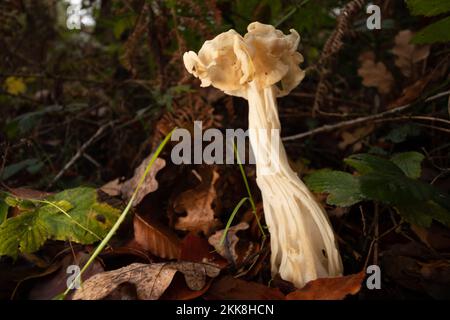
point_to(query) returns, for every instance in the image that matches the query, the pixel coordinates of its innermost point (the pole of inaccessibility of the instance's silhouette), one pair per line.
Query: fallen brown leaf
(417, 268)
(57, 282)
(408, 54)
(229, 249)
(112, 188)
(329, 288)
(229, 288)
(197, 203)
(26, 193)
(156, 238)
(150, 183)
(178, 290)
(197, 249)
(375, 74)
(353, 137)
(411, 93)
(151, 280)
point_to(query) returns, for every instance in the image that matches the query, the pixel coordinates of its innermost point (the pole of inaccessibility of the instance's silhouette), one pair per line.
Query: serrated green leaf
(423, 213)
(392, 182)
(25, 233)
(74, 214)
(428, 8)
(409, 163)
(343, 188)
(395, 189)
(436, 32)
(366, 163)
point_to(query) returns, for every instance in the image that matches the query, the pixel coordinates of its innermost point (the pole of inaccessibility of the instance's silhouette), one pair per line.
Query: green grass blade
(247, 187)
(230, 220)
(121, 218)
(70, 217)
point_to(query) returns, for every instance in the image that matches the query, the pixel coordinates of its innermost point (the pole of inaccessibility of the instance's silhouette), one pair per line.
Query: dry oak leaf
(156, 238)
(375, 74)
(336, 288)
(228, 249)
(150, 183)
(197, 203)
(407, 54)
(151, 280)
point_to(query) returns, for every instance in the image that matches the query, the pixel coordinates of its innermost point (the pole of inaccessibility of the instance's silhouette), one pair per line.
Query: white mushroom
(263, 65)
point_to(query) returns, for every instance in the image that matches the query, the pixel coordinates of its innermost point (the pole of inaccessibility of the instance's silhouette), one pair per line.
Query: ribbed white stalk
(302, 240)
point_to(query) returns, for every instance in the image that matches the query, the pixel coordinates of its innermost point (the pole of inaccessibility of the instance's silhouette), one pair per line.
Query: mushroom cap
(264, 55)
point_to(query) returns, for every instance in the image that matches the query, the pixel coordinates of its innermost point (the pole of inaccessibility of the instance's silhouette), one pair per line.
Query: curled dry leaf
(407, 54)
(150, 183)
(329, 288)
(197, 203)
(156, 238)
(375, 74)
(151, 280)
(229, 249)
(112, 188)
(411, 92)
(126, 189)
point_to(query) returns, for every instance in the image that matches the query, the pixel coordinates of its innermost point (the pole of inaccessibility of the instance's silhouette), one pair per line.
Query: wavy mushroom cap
(264, 55)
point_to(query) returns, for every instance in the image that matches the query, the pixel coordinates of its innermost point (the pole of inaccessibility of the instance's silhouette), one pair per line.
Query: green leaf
(428, 8)
(400, 134)
(4, 207)
(423, 213)
(26, 233)
(436, 32)
(366, 163)
(343, 188)
(409, 162)
(74, 214)
(15, 168)
(392, 182)
(395, 189)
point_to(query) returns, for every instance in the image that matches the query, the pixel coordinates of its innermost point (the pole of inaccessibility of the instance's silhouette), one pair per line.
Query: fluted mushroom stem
(302, 240)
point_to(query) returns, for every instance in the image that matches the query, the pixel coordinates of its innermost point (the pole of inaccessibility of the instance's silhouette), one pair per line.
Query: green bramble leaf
(74, 214)
(428, 8)
(366, 163)
(393, 182)
(436, 32)
(343, 188)
(409, 163)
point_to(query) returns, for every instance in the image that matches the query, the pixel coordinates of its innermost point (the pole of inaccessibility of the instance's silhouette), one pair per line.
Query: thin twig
(376, 234)
(80, 151)
(378, 239)
(352, 122)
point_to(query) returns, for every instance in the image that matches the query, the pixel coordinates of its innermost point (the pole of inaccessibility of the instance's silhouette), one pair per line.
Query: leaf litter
(151, 280)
